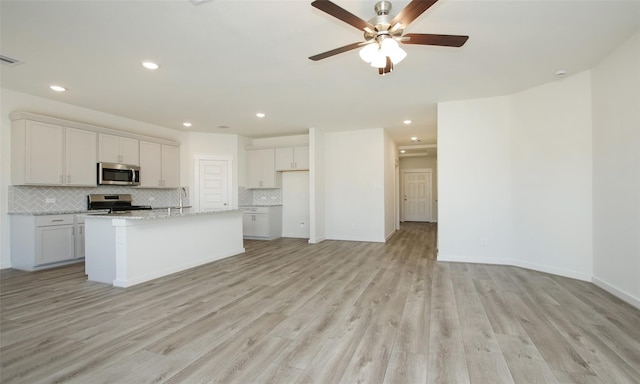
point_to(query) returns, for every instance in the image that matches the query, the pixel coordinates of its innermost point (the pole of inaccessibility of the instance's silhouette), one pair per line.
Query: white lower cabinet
(262, 223)
(79, 235)
(43, 241)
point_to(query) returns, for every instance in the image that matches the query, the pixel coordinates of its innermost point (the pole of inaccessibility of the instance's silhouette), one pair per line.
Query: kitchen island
(125, 249)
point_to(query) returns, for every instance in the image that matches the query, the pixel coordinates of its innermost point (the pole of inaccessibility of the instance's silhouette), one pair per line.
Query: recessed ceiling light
(414, 139)
(150, 65)
(187, 124)
(260, 115)
(407, 122)
(58, 88)
(403, 151)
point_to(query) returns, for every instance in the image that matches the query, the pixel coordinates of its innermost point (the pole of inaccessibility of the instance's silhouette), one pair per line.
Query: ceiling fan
(383, 32)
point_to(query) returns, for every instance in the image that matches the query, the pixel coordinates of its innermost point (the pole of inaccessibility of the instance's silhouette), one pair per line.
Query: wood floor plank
(406, 367)
(287, 312)
(447, 361)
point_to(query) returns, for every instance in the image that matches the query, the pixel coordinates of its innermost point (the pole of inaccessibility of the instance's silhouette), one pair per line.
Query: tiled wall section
(34, 199)
(245, 196)
(259, 196)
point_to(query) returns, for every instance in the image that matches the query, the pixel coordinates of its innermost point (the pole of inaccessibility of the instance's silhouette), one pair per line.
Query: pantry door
(213, 183)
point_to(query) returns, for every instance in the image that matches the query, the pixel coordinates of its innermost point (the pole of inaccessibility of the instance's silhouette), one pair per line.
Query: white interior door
(417, 196)
(213, 186)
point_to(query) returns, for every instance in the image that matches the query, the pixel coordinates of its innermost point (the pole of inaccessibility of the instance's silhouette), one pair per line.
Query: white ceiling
(225, 60)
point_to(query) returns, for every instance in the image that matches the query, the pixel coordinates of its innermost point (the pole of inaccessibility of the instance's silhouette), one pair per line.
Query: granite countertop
(156, 214)
(260, 205)
(67, 212)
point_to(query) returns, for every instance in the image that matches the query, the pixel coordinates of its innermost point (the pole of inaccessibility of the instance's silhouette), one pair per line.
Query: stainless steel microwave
(118, 174)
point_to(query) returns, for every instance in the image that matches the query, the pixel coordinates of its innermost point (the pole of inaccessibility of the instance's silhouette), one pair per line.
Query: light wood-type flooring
(335, 312)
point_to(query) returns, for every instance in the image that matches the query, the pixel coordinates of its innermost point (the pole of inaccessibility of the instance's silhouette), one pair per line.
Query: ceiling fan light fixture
(379, 60)
(368, 52)
(391, 48)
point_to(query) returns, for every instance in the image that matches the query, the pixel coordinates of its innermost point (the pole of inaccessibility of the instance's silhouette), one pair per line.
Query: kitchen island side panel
(144, 250)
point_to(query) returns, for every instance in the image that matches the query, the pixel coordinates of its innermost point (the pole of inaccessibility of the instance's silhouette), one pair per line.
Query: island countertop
(156, 214)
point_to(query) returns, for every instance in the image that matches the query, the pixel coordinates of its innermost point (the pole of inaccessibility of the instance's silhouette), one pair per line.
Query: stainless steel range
(113, 203)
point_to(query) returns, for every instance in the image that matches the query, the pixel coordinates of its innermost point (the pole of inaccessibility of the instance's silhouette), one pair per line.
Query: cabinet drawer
(42, 221)
(255, 210)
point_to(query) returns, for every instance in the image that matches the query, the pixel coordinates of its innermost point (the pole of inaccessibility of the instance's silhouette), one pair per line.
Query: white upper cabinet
(261, 168)
(81, 157)
(170, 166)
(159, 165)
(49, 154)
(292, 159)
(117, 149)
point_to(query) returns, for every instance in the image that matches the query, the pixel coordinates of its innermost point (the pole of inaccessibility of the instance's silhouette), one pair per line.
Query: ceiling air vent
(9, 60)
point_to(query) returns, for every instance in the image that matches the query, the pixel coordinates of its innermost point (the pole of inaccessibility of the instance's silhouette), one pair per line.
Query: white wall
(15, 101)
(354, 185)
(295, 204)
(317, 197)
(515, 179)
(243, 142)
(616, 171)
(282, 141)
(551, 177)
(208, 144)
(391, 187)
(474, 194)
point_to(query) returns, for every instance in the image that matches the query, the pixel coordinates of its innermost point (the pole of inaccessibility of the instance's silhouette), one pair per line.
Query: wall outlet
(50, 200)
(263, 198)
(152, 198)
(483, 241)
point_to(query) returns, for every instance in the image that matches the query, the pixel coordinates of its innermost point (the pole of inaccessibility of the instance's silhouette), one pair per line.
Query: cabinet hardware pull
(53, 221)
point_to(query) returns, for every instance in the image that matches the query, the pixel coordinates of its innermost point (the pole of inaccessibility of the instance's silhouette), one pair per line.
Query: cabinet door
(129, 151)
(170, 164)
(301, 158)
(292, 159)
(247, 225)
(284, 159)
(108, 148)
(262, 168)
(55, 243)
(80, 163)
(261, 225)
(116, 149)
(150, 164)
(44, 153)
(79, 246)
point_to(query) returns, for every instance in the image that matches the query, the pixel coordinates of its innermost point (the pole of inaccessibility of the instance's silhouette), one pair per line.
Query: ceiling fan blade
(430, 39)
(342, 14)
(336, 51)
(412, 11)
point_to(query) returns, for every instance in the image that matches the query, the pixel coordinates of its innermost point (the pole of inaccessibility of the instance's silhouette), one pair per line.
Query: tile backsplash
(56, 199)
(259, 196)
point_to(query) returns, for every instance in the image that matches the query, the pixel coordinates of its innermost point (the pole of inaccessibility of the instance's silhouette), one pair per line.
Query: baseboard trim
(473, 260)
(553, 271)
(620, 294)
